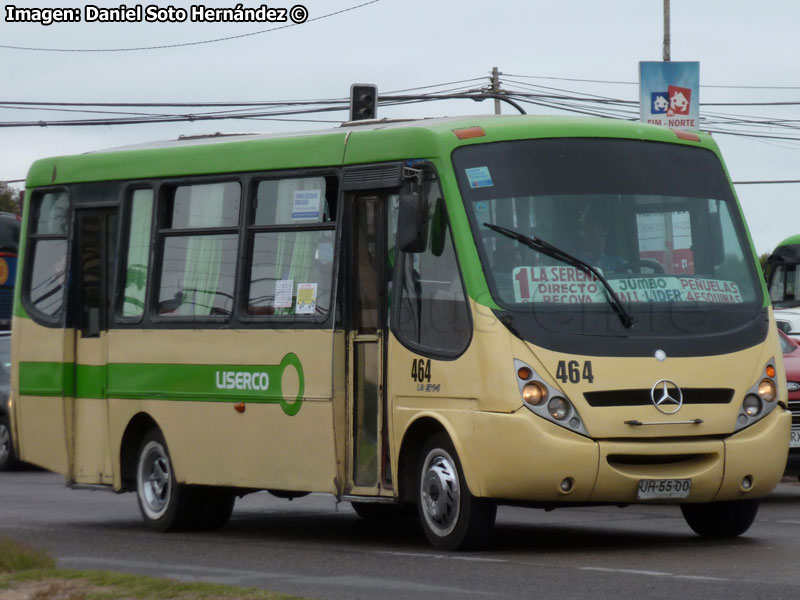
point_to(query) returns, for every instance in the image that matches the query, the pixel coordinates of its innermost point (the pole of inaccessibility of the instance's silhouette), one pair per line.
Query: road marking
(442, 556)
(627, 571)
(655, 574)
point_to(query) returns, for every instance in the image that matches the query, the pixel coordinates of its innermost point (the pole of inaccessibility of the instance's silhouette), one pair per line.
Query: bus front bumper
(522, 458)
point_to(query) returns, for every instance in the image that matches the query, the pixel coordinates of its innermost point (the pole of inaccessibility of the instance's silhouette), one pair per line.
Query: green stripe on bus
(46, 379)
(204, 383)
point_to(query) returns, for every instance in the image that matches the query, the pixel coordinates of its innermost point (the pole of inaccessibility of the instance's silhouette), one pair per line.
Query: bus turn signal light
(770, 371)
(239, 407)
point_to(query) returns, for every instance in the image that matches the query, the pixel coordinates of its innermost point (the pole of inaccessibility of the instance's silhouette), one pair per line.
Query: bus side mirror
(412, 221)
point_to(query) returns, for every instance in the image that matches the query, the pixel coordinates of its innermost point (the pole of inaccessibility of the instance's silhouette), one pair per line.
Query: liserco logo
(667, 396)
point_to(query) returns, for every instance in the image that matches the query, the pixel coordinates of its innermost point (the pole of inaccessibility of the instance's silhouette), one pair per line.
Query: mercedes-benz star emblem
(667, 396)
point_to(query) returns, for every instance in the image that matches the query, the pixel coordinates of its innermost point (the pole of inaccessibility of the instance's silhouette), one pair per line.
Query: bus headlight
(760, 399)
(545, 400)
(751, 405)
(558, 408)
(534, 393)
(767, 391)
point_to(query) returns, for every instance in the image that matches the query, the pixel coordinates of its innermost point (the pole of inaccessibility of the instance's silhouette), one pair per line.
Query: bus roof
(351, 143)
(790, 241)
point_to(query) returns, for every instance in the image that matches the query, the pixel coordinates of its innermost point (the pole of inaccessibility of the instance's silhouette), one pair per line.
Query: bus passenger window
(138, 259)
(47, 282)
(292, 247)
(198, 270)
(52, 216)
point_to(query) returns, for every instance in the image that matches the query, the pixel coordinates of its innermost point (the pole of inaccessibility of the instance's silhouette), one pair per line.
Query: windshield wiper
(538, 244)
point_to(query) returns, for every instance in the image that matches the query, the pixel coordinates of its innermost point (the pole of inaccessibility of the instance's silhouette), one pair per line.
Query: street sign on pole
(670, 94)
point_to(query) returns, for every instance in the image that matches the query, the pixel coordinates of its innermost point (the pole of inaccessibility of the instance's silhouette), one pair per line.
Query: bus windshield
(657, 220)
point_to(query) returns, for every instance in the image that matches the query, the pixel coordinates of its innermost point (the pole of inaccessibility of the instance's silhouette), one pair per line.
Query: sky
(748, 53)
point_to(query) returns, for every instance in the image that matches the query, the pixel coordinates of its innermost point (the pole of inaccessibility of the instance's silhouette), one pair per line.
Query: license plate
(660, 489)
(794, 441)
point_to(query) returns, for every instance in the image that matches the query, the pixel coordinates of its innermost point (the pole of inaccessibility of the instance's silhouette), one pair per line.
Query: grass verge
(30, 574)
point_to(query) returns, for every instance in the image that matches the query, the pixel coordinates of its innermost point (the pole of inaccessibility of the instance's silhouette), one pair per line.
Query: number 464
(571, 371)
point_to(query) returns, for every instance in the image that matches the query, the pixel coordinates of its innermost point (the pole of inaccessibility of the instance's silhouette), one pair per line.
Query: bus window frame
(162, 188)
(31, 239)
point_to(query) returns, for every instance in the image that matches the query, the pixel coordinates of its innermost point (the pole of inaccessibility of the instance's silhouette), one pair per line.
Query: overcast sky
(401, 44)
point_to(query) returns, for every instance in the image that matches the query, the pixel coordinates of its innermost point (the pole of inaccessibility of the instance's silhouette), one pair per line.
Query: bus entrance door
(368, 459)
(93, 264)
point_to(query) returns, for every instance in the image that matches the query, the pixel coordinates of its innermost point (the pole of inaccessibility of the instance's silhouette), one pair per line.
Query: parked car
(7, 458)
(791, 362)
(788, 320)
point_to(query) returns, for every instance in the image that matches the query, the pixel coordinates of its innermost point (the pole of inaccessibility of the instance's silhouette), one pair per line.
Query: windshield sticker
(305, 206)
(481, 207)
(568, 285)
(306, 299)
(479, 177)
(283, 293)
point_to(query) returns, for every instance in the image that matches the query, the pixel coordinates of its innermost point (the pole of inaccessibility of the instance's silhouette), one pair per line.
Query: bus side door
(93, 267)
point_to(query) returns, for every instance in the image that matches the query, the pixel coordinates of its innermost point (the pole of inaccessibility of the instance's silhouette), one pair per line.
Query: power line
(223, 39)
(552, 98)
(605, 81)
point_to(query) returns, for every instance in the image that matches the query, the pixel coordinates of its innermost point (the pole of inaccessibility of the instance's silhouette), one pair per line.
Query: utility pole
(666, 32)
(496, 88)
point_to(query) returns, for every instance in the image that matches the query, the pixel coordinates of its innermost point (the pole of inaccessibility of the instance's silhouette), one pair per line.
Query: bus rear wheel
(165, 504)
(452, 518)
(720, 519)
(213, 507)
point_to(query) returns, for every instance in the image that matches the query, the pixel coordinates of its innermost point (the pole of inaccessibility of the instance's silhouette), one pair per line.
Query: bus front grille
(642, 397)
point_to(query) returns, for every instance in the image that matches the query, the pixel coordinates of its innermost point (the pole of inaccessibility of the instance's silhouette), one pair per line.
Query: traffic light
(363, 101)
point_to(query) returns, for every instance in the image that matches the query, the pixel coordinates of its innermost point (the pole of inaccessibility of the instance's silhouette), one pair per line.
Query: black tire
(7, 458)
(213, 507)
(452, 518)
(720, 519)
(165, 504)
(373, 511)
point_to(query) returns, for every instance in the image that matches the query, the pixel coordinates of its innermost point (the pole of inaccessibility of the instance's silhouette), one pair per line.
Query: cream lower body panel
(210, 443)
(520, 457)
(41, 431)
(90, 440)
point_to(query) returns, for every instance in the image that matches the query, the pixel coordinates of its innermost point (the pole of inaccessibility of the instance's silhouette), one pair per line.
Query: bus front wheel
(452, 518)
(720, 519)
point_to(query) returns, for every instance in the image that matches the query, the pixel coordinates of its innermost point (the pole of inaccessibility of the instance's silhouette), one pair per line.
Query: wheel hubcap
(154, 480)
(440, 493)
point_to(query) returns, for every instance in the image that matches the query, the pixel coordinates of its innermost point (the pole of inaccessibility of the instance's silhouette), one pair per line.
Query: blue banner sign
(670, 94)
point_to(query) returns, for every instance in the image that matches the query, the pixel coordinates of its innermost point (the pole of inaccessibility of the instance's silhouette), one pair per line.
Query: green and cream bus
(446, 314)
(783, 273)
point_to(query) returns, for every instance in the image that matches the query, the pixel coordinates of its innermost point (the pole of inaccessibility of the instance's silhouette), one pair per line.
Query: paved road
(311, 547)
